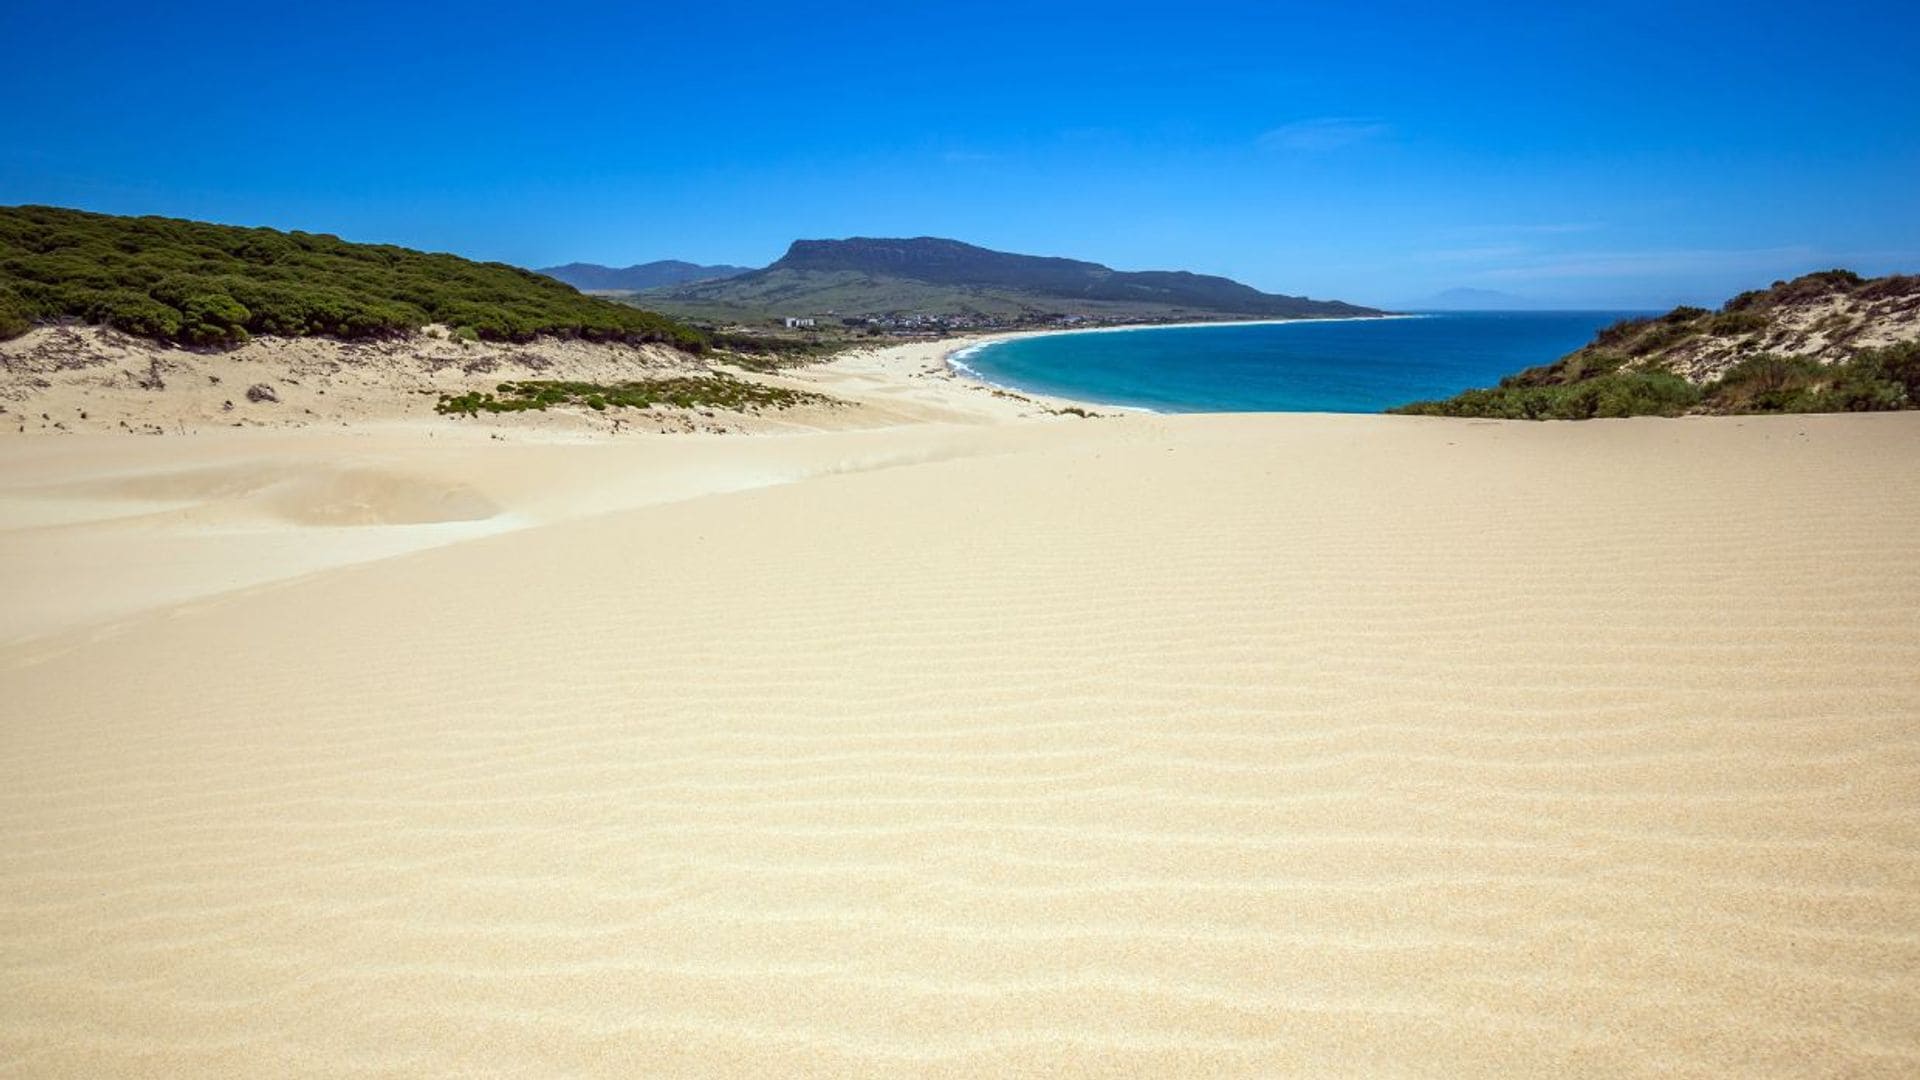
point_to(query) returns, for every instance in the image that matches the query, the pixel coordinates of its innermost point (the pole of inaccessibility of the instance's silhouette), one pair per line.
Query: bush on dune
(1611, 395)
(1876, 380)
(682, 392)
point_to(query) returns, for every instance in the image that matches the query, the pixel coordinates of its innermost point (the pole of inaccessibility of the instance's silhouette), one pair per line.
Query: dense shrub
(1890, 286)
(1766, 383)
(1614, 394)
(202, 284)
(16, 317)
(1732, 323)
(1625, 370)
(1618, 333)
(1872, 381)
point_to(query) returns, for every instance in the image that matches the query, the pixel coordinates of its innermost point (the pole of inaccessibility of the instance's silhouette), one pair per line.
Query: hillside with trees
(1826, 342)
(199, 284)
(928, 276)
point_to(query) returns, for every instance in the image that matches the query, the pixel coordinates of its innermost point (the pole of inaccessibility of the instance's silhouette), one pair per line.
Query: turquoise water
(1357, 365)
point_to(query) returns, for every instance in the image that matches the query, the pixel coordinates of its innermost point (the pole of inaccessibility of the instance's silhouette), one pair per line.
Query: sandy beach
(941, 734)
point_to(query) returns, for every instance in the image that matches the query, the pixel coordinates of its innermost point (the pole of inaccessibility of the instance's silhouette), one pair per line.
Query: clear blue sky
(1633, 154)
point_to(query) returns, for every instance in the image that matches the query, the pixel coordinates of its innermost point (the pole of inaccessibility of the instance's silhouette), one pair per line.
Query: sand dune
(1142, 746)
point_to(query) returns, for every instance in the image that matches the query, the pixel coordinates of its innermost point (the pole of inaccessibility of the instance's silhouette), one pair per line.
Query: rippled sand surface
(1147, 746)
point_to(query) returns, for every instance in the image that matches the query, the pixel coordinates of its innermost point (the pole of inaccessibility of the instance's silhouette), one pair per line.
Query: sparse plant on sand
(683, 392)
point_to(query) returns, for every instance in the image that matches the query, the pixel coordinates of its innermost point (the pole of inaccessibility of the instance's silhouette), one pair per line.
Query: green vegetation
(1876, 380)
(1872, 381)
(201, 284)
(1632, 367)
(1614, 394)
(685, 392)
(928, 278)
(772, 351)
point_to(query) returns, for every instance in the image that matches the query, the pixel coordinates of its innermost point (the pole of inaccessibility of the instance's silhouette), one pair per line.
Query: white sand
(1144, 746)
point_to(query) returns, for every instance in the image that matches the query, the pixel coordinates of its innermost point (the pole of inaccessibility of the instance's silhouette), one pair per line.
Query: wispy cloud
(1322, 134)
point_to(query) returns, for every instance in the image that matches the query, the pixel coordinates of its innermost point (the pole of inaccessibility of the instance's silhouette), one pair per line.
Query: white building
(794, 324)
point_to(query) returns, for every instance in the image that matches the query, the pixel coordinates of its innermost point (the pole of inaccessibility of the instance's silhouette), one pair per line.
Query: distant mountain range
(592, 277)
(931, 277)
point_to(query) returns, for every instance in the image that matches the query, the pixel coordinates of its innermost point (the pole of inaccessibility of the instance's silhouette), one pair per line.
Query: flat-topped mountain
(592, 277)
(1827, 342)
(928, 276)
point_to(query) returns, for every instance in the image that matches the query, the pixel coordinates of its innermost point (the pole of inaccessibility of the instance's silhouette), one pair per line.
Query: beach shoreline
(956, 358)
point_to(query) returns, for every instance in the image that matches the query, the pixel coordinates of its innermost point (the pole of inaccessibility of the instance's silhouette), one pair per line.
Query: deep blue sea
(1357, 365)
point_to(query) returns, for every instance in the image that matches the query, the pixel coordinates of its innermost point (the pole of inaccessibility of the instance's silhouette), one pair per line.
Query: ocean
(1344, 365)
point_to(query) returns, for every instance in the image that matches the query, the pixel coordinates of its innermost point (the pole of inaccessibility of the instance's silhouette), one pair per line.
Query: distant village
(915, 325)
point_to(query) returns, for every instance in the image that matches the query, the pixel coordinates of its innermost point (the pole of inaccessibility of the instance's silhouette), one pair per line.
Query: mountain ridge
(922, 275)
(594, 277)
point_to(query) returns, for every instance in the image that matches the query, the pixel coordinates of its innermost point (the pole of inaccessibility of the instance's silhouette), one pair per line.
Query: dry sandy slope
(89, 379)
(1146, 746)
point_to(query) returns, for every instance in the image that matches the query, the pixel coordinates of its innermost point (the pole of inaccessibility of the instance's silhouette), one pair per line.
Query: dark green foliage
(1768, 383)
(1877, 380)
(1873, 381)
(1625, 371)
(1733, 323)
(1804, 288)
(1585, 364)
(1890, 286)
(1669, 333)
(1616, 394)
(1897, 364)
(1633, 338)
(686, 392)
(16, 317)
(763, 352)
(1621, 332)
(202, 284)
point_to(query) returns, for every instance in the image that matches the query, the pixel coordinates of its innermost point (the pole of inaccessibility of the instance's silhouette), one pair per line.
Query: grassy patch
(682, 392)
